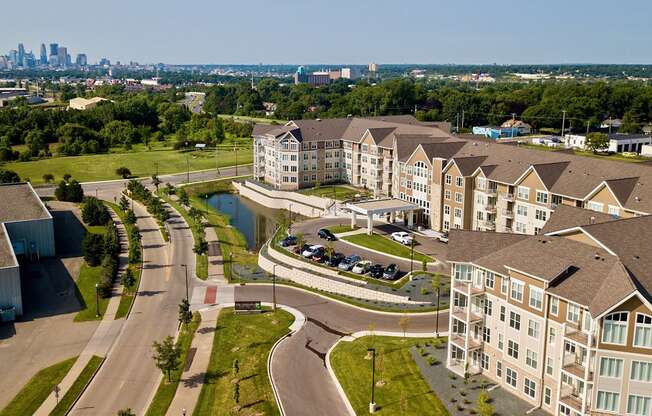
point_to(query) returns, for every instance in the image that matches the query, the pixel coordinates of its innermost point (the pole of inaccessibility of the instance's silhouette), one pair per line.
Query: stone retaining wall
(308, 206)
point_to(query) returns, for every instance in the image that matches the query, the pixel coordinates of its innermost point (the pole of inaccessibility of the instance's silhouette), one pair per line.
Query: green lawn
(254, 119)
(338, 229)
(37, 389)
(248, 339)
(384, 244)
(614, 157)
(77, 387)
(141, 163)
(338, 192)
(404, 391)
(86, 291)
(166, 391)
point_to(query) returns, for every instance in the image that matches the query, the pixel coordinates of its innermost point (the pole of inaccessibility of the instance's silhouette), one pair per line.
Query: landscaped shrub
(94, 212)
(69, 191)
(93, 249)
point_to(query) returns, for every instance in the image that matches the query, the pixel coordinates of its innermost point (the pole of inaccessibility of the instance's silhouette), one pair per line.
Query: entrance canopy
(380, 207)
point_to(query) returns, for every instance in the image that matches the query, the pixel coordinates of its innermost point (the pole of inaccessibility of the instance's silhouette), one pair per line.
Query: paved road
(300, 373)
(425, 245)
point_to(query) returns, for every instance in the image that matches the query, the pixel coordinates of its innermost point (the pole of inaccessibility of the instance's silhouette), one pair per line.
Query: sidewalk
(106, 332)
(192, 377)
(215, 259)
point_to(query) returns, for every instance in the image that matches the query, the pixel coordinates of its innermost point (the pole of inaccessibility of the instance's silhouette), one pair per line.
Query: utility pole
(462, 119)
(97, 299)
(513, 122)
(372, 403)
(185, 266)
(217, 166)
(563, 122)
(457, 123)
(274, 287)
(610, 123)
(236, 160)
(187, 169)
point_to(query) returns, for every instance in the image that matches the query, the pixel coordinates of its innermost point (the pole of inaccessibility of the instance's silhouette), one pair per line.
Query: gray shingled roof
(19, 202)
(565, 217)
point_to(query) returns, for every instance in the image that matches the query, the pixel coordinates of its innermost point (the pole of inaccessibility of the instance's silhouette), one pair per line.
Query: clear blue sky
(336, 31)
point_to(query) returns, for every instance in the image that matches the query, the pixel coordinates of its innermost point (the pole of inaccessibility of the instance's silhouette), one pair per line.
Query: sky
(336, 31)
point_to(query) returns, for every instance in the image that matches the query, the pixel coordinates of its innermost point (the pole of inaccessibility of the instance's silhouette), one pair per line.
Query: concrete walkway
(215, 259)
(106, 332)
(199, 355)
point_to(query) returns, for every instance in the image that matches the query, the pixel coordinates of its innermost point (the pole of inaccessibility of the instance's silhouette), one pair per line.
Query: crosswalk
(203, 296)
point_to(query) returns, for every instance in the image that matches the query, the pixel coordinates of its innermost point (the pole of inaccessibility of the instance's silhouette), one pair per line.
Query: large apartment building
(459, 183)
(563, 319)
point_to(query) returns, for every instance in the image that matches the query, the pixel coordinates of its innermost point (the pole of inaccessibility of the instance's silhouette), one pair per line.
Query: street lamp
(185, 266)
(274, 287)
(372, 403)
(290, 221)
(411, 255)
(97, 299)
(437, 315)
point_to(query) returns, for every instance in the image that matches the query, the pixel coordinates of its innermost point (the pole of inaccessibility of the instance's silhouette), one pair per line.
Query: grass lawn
(254, 119)
(338, 229)
(166, 391)
(338, 192)
(86, 291)
(384, 244)
(77, 387)
(37, 389)
(248, 339)
(614, 157)
(404, 391)
(140, 163)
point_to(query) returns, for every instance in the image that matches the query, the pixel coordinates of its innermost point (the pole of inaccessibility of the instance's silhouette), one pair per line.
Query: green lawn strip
(248, 339)
(166, 391)
(338, 229)
(379, 243)
(140, 163)
(86, 291)
(37, 389)
(338, 192)
(254, 119)
(405, 392)
(127, 298)
(78, 387)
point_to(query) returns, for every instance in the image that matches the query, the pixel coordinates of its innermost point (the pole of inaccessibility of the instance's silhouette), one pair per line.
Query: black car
(320, 256)
(326, 234)
(376, 271)
(391, 272)
(288, 241)
(299, 250)
(335, 259)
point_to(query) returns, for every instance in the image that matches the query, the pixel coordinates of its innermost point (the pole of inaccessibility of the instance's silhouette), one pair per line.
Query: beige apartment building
(562, 320)
(458, 183)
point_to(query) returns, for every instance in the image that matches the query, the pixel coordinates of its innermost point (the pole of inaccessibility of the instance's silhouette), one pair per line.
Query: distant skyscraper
(44, 55)
(21, 54)
(54, 49)
(13, 56)
(62, 56)
(81, 59)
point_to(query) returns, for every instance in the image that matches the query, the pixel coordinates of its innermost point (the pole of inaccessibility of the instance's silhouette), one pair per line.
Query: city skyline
(440, 33)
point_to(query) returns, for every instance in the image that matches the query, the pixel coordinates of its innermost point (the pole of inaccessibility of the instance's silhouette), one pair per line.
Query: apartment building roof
(7, 258)
(566, 216)
(19, 202)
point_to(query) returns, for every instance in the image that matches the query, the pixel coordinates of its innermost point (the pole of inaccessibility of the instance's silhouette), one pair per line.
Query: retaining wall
(306, 205)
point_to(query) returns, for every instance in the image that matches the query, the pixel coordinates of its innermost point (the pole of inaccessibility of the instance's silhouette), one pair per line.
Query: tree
(156, 181)
(424, 265)
(94, 212)
(183, 196)
(48, 177)
(124, 203)
(403, 323)
(484, 407)
(597, 141)
(130, 217)
(70, 192)
(8, 176)
(126, 412)
(66, 177)
(185, 316)
(167, 356)
(123, 172)
(93, 249)
(201, 247)
(128, 280)
(195, 214)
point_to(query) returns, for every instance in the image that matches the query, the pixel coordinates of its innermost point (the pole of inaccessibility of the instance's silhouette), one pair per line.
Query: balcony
(463, 286)
(576, 335)
(488, 225)
(490, 208)
(508, 213)
(460, 314)
(574, 365)
(489, 191)
(508, 197)
(572, 397)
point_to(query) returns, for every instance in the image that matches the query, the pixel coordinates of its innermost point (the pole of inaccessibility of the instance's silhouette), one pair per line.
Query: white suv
(402, 237)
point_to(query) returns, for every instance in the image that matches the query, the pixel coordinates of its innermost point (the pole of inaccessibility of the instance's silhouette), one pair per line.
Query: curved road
(303, 382)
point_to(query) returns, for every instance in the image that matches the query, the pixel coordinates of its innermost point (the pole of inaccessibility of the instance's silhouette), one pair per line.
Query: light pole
(97, 299)
(187, 169)
(290, 221)
(372, 403)
(411, 255)
(274, 287)
(185, 266)
(236, 160)
(437, 315)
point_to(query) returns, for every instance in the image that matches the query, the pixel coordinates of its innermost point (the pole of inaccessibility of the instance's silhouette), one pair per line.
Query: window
(458, 197)
(458, 213)
(523, 192)
(504, 284)
(614, 211)
(488, 307)
(552, 334)
(643, 331)
(511, 377)
(533, 328)
(638, 405)
(542, 197)
(529, 388)
(608, 400)
(499, 369)
(573, 314)
(489, 280)
(486, 335)
(502, 313)
(531, 358)
(615, 328)
(554, 306)
(550, 366)
(536, 298)
(641, 371)
(482, 182)
(463, 272)
(521, 227)
(517, 290)
(512, 349)
(484, 361)
(611, 367)
(594, 206)
(447, 194)
(448, 179)
(501, 342)
(547, 396)
(459, 181)
(515, 321)
(541, 215)
(521, 210)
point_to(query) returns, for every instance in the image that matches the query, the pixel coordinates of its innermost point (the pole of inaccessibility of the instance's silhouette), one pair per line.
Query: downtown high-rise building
(81, 60)
(62, 56)
(44, 55)
(21, 54)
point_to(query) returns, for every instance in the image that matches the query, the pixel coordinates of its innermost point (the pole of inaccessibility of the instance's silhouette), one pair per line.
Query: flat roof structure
(19, 202)
(379, 207)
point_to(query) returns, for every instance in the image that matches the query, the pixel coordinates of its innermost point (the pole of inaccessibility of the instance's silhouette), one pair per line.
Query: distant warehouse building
(26, 230)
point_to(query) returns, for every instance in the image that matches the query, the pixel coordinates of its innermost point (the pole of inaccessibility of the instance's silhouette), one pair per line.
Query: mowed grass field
(141, 163)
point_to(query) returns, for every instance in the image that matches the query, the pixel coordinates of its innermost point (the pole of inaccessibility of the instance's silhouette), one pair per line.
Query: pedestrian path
(106, 332)
(215, 259)
(211, 295)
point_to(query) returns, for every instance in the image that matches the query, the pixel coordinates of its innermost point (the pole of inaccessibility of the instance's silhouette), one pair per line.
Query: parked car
(402, 237)
(326, 234)
(361, 267)
(288, 241)
(348, 262)
(376, 271)
(391, 272)
(312, 250)
(320, 256)
(443, 237)
(335, 259)
(299, 250)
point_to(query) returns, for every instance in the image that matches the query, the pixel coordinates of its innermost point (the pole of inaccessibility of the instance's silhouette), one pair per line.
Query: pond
(256, 222)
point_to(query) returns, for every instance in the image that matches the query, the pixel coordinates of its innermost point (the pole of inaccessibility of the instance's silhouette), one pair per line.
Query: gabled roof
(565, 217)
(622, 188)
(550, 172)
(467, 165)
(466, 245)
